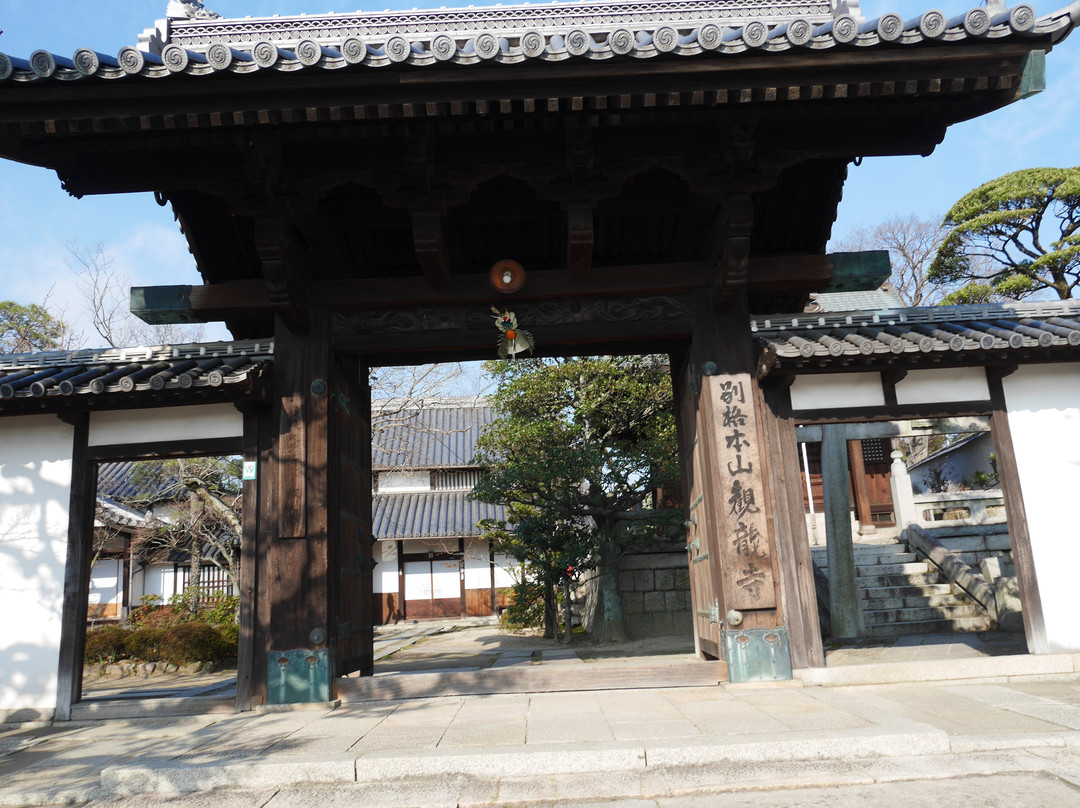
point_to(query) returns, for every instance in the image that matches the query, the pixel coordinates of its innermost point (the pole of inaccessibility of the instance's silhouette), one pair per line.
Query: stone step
(963, 624)
(821, 557)
(872, 563)
(918, 615)
(912, 568)
(907, 591)
(875, 581)
(917, 602)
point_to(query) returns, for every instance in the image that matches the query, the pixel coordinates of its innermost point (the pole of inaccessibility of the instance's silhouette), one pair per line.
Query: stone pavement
(986, 728)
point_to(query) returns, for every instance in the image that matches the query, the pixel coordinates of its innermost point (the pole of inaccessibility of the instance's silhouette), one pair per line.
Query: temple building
(359, 190)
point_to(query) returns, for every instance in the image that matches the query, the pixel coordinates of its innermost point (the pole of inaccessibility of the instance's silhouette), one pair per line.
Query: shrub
(526, 607)
(189, 642)
(221, 610)
(228, 640)
(155, 617)
(105, 644)
(145, 643)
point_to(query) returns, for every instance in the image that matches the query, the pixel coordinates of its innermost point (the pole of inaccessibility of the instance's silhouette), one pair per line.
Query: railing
(952, 567)
(960, 507)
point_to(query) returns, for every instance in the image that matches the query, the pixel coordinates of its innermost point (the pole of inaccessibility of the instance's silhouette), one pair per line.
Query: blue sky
(37, 218)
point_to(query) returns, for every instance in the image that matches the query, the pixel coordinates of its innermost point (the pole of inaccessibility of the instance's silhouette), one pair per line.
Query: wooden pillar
(461, 577)
(351, 544)
(739, 527)
(251, 657)
(76, 570)
(799, 597)
(859, 486)
(401, 580)
(845, 605)
(294, 507)
(491, 562)
(1016, 517)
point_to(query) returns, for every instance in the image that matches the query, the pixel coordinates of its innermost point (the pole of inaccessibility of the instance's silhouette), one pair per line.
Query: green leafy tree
(28, 328)
(1012, 237)
(578, 448)
(554, 550)
(197, 503)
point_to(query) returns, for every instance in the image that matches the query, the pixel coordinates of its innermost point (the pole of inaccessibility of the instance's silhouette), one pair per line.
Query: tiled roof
(440, 435)
(958, 334)
(618, 29)
(429, 515)
(870, 300)
(177, 370)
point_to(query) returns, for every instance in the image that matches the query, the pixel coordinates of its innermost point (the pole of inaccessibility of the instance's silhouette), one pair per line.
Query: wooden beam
(250, 300)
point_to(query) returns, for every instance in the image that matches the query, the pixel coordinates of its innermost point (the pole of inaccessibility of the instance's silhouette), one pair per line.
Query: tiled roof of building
(441, 434)
(146, 372)
(869, 300)
(924, 336)
(429, 515)
(617, 29)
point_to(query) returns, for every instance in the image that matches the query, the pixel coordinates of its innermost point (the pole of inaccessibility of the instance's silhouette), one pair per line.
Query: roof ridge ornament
(189, 10)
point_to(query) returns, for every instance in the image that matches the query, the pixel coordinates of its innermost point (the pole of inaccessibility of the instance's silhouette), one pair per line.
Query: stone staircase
(903, 595)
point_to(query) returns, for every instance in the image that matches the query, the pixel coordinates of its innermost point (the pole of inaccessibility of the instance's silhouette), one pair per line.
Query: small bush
(155, 617)
(190, 642)
(221, 610)
(526, 607)
(145, 644)
(105, 644)
(228, 637)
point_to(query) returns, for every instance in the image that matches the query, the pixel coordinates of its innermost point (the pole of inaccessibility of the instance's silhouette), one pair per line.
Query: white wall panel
(837, 391)
(386, 571)
(942, 384)
(160, 424)
(35, 494)
(1044, 415)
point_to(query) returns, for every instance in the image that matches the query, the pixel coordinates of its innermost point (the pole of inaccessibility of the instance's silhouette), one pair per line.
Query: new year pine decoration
(512, 340)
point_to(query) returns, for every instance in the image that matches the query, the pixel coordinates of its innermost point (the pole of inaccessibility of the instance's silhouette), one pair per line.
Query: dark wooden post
(845, 606)
(1016, 517)
(251, 659)
(76, 570)
(293, 514)
(351, 564)
(792, 543)
(747, 580)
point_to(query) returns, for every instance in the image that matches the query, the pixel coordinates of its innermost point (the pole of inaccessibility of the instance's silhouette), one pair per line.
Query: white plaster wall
(944, 384)
(1044, 415)
(105, 581)
(477, 565)
(160, 580)
(386, 571)
(836, 391)
(161, 424)
(507, 571)
(35, 483)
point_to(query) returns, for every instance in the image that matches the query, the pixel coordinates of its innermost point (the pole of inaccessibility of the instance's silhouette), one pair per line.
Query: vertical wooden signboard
(747, 551)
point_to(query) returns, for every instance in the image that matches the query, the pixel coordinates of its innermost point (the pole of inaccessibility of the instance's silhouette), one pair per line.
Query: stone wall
(655, 590)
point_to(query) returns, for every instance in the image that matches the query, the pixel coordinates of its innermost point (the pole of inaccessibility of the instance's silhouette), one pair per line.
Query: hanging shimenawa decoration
(512, 340)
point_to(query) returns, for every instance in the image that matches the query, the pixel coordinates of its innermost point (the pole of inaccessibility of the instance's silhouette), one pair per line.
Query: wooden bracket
(579, 239)
(730, 254)
(430, 246)
(281, 259)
